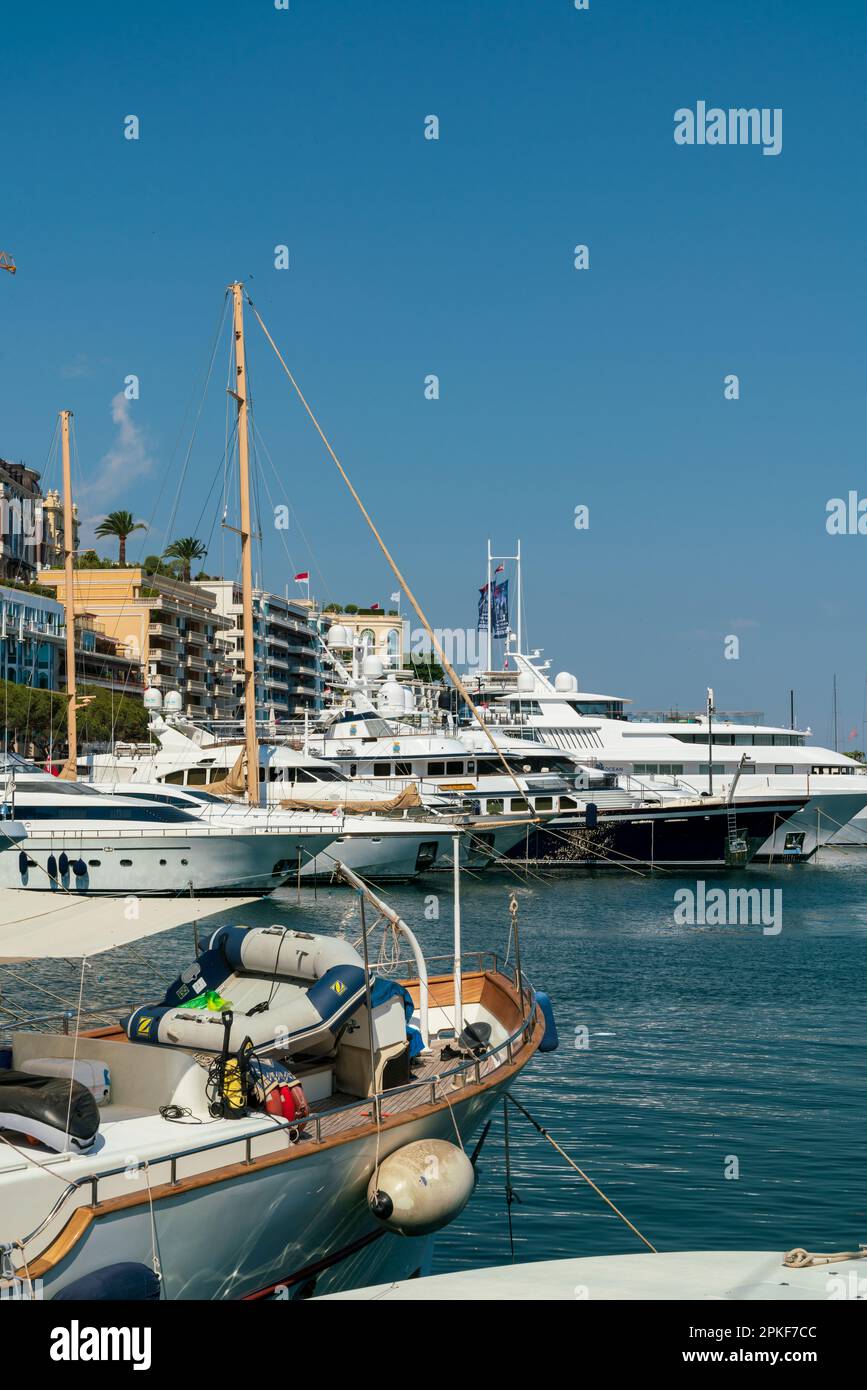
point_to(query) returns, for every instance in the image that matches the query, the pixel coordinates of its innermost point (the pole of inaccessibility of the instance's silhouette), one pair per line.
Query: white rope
(155, 1259)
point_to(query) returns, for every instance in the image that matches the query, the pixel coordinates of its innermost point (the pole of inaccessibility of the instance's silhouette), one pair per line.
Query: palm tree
(120, 524)
(187, 549)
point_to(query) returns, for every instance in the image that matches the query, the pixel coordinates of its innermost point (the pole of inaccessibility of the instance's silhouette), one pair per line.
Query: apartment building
(288, 676)
(168, 628)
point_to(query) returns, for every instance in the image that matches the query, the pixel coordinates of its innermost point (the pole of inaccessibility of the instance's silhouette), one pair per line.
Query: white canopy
(38, 926)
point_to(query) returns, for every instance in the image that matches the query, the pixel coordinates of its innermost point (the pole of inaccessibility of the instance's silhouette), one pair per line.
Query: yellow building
(171, 628)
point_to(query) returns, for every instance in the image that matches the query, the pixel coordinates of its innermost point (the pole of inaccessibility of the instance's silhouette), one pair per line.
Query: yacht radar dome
(338, 636)
(525, 681)
(565, 682)
(152, 700)
(173, 702)
(372, 666)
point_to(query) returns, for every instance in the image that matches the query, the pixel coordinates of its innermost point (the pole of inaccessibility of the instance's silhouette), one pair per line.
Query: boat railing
(504, 1051)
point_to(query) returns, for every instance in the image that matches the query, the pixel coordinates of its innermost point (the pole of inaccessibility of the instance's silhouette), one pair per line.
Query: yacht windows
(217, 774)
(568, 803)
(176, 778)
(518, 804)
(403, 769)
(662, 769)
(495, 806)
(743, 740)
(455, 766)
(519, 707)
(717, 767)
(543, 803)
(166, 814)
(382, 769)
(784, 768)
(198, 776)
(608, 709)
(436, 769)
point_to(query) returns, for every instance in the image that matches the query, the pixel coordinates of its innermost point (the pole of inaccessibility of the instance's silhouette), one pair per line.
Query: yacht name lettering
(739, 125)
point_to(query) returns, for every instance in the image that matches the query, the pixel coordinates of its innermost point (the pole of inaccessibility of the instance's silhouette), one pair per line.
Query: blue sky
(408, 257)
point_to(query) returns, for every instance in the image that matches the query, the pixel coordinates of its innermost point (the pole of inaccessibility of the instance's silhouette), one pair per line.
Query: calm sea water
(705, 1044)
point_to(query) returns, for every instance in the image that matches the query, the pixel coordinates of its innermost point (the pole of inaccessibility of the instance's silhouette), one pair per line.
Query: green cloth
(209, 1000)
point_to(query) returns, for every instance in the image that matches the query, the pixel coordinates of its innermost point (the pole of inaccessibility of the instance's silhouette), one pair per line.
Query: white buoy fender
(421, 1187)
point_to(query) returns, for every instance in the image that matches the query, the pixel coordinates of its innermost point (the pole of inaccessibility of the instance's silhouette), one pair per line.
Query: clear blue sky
(410, 257)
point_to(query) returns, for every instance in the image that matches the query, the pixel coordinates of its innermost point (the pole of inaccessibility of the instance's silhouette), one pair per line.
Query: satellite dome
(565, 681)
(372, 666)
(525, 682)
(338, 636)
(173, 703)
(152, 699)
(391, 696)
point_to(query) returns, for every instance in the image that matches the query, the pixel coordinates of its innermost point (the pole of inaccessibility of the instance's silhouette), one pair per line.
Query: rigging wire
(444, 662)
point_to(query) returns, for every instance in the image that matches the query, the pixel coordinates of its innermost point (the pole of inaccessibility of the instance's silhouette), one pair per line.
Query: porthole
(94, 863)
(126, 863)
(163, 863)
(185, 861)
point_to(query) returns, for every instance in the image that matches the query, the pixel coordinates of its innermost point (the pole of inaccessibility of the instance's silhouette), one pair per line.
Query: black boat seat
(41, 1107)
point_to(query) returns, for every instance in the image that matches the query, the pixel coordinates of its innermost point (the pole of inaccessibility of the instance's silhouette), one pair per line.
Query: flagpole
(490, 614)
(518, 558)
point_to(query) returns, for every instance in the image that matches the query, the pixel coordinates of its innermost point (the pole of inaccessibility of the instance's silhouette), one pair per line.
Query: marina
(433, 768)
(284, 1061)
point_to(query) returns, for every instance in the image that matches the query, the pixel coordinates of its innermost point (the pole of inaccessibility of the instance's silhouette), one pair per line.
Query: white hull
(725, 1275)
(385, 858)
(140, 862)
(244, 1235)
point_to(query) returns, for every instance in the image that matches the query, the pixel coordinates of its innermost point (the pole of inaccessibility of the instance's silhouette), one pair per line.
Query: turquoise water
(705, 1044)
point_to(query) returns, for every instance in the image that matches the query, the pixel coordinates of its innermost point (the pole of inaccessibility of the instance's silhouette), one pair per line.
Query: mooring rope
(580, 1171)
(802, 1259)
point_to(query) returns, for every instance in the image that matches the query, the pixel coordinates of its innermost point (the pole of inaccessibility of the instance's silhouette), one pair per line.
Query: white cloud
(127, 460)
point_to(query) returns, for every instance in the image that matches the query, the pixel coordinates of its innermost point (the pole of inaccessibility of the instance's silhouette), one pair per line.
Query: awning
(47, 925)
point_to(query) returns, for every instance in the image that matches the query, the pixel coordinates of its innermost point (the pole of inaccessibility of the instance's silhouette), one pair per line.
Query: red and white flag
(373, 607)
(499, 569)
(303, 578)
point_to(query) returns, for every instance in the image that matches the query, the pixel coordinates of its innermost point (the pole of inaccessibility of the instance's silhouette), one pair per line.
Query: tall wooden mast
(69, 771)
(240, 394)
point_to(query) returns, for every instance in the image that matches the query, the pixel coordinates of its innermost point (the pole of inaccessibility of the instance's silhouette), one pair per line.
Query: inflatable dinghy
(290, 992)
(38, 1106)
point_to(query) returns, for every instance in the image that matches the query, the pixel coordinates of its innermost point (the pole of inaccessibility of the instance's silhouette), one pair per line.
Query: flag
(373, 607)
(302, 578)
(853, 733)
(395, 598)
(483, 607)
(500, 600)
(499, 569)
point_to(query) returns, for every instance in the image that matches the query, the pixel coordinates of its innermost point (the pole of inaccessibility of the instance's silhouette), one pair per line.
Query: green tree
(186, 550)
(36, 719)
(120, 524)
